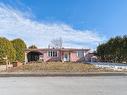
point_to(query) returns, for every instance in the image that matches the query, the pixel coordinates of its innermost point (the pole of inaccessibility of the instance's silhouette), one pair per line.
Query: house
(91, 57)
(53, 54)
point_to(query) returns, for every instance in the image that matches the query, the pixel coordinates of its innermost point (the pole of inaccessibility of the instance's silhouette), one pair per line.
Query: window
(52, 53)
(66, 56)
(80, 54)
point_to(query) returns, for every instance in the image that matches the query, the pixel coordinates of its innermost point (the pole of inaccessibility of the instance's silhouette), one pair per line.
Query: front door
(66, 57)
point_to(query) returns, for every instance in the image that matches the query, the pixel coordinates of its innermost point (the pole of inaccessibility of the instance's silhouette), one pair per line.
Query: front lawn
(57, 67)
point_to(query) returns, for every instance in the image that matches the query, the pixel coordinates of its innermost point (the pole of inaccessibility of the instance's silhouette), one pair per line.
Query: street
(102, 85)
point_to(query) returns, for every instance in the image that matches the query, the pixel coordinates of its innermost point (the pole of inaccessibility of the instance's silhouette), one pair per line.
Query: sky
(80, 23)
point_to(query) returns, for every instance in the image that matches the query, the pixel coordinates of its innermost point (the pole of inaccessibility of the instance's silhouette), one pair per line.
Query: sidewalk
(60, 74)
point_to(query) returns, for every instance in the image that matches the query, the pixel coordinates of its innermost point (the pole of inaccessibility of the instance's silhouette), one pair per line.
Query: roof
(62, 49)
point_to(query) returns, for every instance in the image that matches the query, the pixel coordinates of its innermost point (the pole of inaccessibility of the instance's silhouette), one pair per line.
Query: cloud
(17, 24)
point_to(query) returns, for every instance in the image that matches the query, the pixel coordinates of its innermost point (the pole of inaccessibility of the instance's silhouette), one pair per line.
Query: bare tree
(57, 43)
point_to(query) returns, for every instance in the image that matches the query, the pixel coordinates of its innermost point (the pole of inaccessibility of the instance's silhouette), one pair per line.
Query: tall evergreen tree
(19, 46)
(114, 50)
(6, 49)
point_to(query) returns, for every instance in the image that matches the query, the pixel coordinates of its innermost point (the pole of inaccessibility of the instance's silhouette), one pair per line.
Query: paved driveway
(64, 86)
(115, 66)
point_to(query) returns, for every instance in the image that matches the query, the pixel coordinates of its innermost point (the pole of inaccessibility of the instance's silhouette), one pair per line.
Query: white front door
(66, 57)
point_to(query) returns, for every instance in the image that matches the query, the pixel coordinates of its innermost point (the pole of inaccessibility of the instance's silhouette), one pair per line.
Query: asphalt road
(102, 85)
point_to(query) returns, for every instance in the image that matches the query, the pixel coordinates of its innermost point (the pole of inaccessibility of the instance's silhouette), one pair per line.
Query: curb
(55, 74)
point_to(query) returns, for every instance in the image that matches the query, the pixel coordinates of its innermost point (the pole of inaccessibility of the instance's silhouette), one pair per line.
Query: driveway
(103, 85)
(115, 66)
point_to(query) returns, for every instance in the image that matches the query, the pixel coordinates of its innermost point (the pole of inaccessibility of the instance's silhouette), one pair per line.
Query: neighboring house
(91, 57)
(52, 54)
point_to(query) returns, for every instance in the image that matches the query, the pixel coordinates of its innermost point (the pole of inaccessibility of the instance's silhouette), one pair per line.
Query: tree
(6, 49)
(57, 43)
(114, 50)
(124, 51)
(32, 47)
(19, 46)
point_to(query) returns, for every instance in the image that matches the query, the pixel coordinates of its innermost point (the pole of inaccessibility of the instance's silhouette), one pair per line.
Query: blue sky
(81, 23)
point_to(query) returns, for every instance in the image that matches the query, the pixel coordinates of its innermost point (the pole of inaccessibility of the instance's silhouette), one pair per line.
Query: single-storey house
(53, 54)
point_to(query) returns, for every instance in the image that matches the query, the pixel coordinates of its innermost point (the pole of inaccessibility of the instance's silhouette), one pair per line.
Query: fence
(4, 67)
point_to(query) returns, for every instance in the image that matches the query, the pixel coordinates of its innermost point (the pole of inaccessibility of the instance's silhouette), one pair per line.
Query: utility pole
(6, 61)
